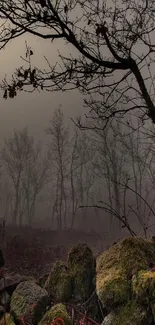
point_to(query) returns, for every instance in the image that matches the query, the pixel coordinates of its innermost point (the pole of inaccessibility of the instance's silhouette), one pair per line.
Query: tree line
(109, 172)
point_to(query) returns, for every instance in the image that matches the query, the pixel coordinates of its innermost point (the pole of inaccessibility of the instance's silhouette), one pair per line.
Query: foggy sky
(33, 109)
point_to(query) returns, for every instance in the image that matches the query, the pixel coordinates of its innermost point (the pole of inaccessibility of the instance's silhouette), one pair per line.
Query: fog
(34, 111)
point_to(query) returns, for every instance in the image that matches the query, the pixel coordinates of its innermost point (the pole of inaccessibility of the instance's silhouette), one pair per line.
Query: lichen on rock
(29, 301)
(59, 283)
(82, 267)
(113, 289)
(57, 311)
(143, 286)
(112, 285)
(136, 253)
(117, 265)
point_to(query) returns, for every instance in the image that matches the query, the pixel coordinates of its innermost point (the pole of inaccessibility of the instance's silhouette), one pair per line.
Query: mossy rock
(129, 314)
(143, 286)
(59, 310)
(113, 289)
(8, 320)
(117, 265)
(136, 253)
(59, 283)
(29, 301)
(82, 266)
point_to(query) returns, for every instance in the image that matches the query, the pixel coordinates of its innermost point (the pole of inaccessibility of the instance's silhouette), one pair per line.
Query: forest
(98, 179)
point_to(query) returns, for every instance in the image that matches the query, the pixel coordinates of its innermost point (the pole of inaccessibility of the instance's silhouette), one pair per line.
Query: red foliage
(58, 321)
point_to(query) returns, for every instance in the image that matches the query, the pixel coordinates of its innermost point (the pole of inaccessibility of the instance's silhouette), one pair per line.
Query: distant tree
(59, 158)
(124, 165)
(110, 163)
(34, 179)
(26, 172)
(70, 155)
(81, 176)
(113, 54)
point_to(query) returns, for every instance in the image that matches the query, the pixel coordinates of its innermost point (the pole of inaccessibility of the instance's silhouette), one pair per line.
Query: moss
(136, 252)
(58, 310)
(8, 320)
(143, 286)
(132, 313)
(112, 285)
(21, 305)
(128, 254)
(59, 283)
(108, 259)
(116, 266)
(113, 289)
(82, 255)
(28, 300)
(82, 266)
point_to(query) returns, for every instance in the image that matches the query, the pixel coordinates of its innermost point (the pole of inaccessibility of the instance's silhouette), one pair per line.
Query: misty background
(110, 164)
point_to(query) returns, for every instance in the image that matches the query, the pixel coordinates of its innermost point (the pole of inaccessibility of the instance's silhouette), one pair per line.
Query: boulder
(130, 314)
(116, 268)
(59, 283)
(57, 311)
(10, 282)
(82, 266)
(29, 301)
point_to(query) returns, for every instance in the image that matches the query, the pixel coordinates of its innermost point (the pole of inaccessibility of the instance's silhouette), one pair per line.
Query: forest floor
(33, 251)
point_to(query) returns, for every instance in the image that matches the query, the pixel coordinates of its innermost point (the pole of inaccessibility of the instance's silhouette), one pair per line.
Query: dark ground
(33, 251)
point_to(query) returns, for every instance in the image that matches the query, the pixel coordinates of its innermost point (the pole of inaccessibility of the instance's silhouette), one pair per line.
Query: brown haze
(35, 109)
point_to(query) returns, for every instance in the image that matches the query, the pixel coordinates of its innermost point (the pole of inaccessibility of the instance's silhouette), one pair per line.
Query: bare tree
(59, 153)
(124, 163)
(110, 164)
(71, 170)
(23, 166)
(34, 178)
(113, 51)
(81, 176)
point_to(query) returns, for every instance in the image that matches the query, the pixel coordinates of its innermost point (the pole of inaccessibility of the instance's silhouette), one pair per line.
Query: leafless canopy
(113, 51)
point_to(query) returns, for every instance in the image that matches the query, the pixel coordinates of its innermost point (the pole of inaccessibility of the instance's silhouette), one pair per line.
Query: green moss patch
(143, 286)
(29, 301)
(56, 311)
(82, 267)
(116, 266)
(59, 283)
